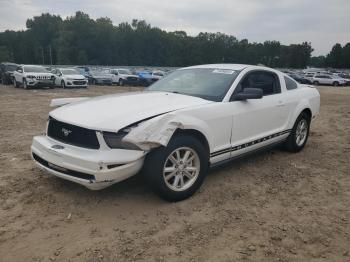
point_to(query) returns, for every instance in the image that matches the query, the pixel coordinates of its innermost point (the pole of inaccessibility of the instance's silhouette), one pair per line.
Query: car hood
(80, 77)
(38, 74)
(114, 112)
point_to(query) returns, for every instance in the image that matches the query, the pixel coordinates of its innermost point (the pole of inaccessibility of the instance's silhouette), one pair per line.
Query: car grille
(73, 135)
(43, 77)
(79, 82)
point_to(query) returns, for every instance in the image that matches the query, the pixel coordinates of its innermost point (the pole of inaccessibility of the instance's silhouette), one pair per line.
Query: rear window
(290, 83)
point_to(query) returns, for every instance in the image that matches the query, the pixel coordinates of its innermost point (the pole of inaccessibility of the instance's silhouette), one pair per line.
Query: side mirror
(19, 70)
(248, 93)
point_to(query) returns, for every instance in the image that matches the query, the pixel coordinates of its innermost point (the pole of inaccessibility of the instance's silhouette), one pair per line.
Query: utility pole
(50, 54)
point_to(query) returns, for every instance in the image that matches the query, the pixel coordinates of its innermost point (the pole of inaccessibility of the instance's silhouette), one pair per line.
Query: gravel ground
(274, 206)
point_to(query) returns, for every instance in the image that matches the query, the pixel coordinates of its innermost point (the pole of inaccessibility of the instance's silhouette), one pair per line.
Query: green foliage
(80, 39)
(318, 61)
(4, 54)
(339, 57)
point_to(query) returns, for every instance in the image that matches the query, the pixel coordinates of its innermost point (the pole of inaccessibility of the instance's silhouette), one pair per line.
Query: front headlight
(114, 140)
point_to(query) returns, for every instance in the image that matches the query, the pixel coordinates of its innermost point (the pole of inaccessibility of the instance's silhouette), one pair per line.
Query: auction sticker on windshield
(223, 71)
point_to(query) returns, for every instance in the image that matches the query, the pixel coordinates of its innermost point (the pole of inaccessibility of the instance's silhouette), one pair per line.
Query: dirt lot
(274, 206)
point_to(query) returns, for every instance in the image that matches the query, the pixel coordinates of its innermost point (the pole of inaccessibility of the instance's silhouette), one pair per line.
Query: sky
(321, 22)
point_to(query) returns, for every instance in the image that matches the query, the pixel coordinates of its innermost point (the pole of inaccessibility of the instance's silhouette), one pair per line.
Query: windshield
(207, 83)
(69, 72)
(35, 69)
(124, 72)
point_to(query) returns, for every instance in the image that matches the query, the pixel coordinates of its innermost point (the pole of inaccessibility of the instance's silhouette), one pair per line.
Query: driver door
(258, 122)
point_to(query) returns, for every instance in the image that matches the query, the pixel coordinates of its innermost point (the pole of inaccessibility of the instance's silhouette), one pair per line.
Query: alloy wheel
(181, 169)
(301, 132)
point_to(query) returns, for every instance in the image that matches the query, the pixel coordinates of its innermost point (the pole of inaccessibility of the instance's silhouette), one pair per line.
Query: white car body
(101, 77)
(158, 74)
(327, 79)
(230, 128)
(26, 78)
(124, 76)
(69, 80)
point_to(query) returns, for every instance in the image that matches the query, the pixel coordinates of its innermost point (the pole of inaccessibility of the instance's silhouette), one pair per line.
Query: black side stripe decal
(248, 144)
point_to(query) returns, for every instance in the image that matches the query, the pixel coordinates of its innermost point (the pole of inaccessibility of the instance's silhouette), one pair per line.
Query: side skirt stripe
(248, 144)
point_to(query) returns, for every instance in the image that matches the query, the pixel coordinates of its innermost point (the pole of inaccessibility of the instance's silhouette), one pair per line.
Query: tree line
(81, 40)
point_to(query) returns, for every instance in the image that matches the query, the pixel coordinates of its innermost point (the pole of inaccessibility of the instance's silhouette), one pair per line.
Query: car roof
(221, 66)
(236, 67)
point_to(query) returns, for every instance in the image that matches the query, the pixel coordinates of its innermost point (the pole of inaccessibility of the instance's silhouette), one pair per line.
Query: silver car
(320, 79)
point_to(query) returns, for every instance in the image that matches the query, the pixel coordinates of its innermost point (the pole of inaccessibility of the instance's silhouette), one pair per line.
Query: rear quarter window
(290, 83)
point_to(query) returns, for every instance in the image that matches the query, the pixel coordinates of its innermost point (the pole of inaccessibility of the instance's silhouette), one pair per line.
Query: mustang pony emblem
(66, 132)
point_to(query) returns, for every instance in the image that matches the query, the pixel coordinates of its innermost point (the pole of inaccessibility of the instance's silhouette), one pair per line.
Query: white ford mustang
(192, 119)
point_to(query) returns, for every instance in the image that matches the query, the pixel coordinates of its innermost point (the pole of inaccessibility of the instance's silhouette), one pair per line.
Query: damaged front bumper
(94, 169)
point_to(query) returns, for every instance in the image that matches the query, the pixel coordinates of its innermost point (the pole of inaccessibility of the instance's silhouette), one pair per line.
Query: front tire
(25, 85)
(300, 133)
(121, 82)
(316, 83)
(335, 83)
(63, 84)
(15, 84)
(177, 171)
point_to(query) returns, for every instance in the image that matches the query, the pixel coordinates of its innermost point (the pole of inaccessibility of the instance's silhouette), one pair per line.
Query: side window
(290, 83)
(266, 81)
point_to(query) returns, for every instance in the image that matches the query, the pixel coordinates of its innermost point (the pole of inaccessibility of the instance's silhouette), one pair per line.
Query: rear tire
(177, 171)
(316, 83)
(121, 82)
(336, 83)
(299, 134)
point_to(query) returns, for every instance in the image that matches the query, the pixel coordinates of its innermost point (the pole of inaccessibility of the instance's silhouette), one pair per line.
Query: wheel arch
(308, 112)
(304, 108)
(194, 133)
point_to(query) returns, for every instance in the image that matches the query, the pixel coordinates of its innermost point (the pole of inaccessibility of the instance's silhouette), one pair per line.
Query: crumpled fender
(158, 131)
(64, 101)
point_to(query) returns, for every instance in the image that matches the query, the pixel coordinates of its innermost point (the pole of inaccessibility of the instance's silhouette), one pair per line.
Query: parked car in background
(85, 71)
(69, 77)
(147, 78)
(319, 79)
(159, 74)
(299, 78)
(33, 76)
(346, 77)
(195, 118)
(124, 77)
(99, 77)
(6, 73)
(309, 76)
